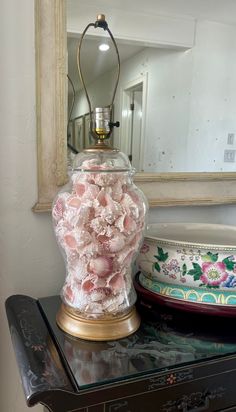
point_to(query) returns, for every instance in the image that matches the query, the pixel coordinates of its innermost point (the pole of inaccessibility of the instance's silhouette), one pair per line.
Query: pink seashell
(77, 178)
(101, 266)
(116, 243)
(100, 294)
(135, 241)
(98, 225)
(59, 206)
(103, 241)
(111, 211)
(92, 191)
(92, 282)
(134, 196)
(125, 257)
(83, 238)
(106, 179)
(101, 197)
(111, 231)
(117, 191)
(116, 281)
(71, 215)
(87, 285)
(119, 223)
(58, 209)
(129, 224)
(80, 189)
(126, 224)
(89, 250)
(77, 269)
(84, 215)
(129, 206)
(61, 229)
(86, 190)
(70, 241)
(111, 244)
(74, 202)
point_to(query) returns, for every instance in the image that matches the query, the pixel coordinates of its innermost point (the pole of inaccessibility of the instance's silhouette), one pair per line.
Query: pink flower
(144, 248)
(213, 273)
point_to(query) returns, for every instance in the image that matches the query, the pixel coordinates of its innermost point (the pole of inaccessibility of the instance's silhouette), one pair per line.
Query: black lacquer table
(174, 362)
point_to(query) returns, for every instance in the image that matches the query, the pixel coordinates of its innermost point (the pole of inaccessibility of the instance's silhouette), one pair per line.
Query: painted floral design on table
(199, 268)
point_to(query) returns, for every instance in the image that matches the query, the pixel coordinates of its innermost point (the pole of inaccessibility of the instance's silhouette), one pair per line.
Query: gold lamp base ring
(105, 329)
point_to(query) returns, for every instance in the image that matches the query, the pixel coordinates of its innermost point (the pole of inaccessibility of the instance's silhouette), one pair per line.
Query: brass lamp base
(97, 329)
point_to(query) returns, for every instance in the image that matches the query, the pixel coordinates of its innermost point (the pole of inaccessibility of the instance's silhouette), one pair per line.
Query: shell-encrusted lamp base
(112, 328)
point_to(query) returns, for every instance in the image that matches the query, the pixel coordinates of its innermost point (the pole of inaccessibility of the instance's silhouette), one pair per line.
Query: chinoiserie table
(175, 362)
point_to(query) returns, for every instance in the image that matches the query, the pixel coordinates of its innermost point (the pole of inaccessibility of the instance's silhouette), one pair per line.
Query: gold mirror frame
(161, 189)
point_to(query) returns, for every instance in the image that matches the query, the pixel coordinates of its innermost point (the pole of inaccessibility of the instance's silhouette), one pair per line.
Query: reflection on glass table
(166, 339)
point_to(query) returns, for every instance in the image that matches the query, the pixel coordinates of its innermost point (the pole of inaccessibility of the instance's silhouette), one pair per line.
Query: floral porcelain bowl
(190, 263)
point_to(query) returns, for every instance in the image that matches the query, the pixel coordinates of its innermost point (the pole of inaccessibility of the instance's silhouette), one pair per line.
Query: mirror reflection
(177, 107)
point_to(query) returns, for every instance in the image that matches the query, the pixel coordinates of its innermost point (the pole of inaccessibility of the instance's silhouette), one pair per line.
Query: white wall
(213, 98)
(191, 101)
(30, 260)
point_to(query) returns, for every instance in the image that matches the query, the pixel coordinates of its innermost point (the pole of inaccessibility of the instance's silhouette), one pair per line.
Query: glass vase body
(99, 219)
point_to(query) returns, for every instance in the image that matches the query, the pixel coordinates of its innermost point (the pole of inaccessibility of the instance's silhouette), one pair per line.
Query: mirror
(189, 106)
(176, 37)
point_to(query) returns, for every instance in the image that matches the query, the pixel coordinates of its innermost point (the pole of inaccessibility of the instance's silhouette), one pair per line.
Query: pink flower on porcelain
(213, 273)
(144, 248)
(171, 268)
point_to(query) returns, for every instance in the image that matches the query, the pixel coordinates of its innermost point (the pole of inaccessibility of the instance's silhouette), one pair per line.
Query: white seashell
(113, 303)
(119, 223)
(100, 294)
(91, 191)
(61, 229)
(129, 206)
(89, 251)
(101, 266)
(59, 206)
(83, 238)
(124, 258)
(117, 191)
(116, 281)
(84, 214)
(71, 215)
(98, 225)
(77, 269)
(105, 179)
(81, 300)
(116, 243)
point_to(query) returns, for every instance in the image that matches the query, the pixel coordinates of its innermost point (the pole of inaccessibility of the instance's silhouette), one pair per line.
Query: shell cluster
(99, 226)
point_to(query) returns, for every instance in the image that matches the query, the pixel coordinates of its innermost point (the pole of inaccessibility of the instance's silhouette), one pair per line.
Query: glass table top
(165, 340)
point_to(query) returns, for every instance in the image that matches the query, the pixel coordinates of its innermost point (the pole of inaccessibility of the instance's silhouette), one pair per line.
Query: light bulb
(104, 47)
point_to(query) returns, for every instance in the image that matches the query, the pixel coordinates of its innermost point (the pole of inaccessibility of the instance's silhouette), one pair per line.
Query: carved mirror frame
(161, 189)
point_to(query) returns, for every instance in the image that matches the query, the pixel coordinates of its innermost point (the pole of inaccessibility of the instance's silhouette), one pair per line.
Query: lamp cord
(105, 27)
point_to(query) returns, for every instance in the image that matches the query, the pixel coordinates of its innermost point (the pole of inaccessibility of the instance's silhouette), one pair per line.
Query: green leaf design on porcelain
(184, 269)
(210, 257)
(157, 267)
(196, 272)
(162, 257)
(201, 269)
(230, 264)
